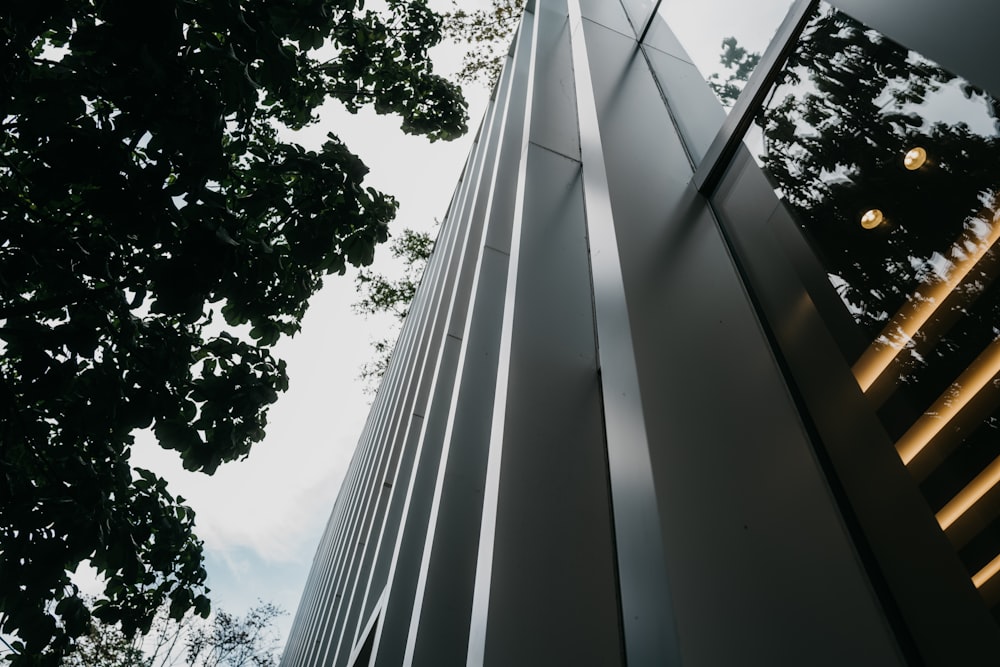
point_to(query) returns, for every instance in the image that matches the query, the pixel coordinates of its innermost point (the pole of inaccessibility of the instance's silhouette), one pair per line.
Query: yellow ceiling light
(872, 219)
(915, 158)
(970, 495)
(987, 572)
(915, 313)
(979, 373)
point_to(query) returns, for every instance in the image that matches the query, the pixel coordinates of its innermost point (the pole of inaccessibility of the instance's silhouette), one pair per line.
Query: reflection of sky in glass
(701, 26)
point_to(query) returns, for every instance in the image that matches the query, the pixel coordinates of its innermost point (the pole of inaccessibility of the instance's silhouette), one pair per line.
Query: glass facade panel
(889, 164)
(703, 28)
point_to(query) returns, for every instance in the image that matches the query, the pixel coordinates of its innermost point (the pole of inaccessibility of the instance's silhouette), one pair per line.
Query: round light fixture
(872, 219)
(915, 158)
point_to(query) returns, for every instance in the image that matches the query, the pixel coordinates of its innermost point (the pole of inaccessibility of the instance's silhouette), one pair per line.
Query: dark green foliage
(488, 32)
(740, 64)
(382, 294)
(144, 191)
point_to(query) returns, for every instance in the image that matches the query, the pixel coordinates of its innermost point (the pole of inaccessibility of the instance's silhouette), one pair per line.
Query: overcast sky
(262, 518)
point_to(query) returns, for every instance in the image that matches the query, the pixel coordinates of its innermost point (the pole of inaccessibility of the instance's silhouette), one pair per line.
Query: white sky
(262, 518)
(701, 25)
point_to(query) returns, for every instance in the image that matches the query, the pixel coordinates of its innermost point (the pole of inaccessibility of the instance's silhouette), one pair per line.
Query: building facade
(689, 387)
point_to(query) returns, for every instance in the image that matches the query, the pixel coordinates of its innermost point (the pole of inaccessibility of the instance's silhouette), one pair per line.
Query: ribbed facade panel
(587, 448)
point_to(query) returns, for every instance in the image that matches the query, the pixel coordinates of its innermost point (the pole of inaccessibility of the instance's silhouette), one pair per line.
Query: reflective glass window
(891, 167)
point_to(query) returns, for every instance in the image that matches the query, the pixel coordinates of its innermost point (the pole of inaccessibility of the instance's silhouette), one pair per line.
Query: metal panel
(483, 152)
(645, 598)
(441, 617)
(401, 586)
(554, 102)
(639, 13)
(553, 596)
(405, 427)
(662, 38)
(608, 13)
(695, 110)
(440, 620)
(721, 425)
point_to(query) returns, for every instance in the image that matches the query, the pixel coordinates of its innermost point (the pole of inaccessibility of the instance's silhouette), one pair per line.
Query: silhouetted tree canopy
(158, 235)
(740, 64)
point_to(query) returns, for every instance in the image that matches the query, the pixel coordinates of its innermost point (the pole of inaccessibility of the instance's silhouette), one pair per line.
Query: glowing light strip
(970, 495)
(987, 572)
(914, 314)
(950, 403)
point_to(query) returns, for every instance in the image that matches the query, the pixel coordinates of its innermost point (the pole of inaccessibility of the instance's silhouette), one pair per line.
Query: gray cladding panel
(721, 424)
(406, 568)
(695, 109)
(662, 38)
(608, 13)
(444, 622)
(554, 103)
(479, 200)
(455, 238)
(553, 596)
(639, 12)
(502, 213)
(752, 531)
(628, 101)
(395, 621)
(387, 540)
(424, 329)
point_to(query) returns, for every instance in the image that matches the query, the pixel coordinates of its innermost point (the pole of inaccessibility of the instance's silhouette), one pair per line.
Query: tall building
(689, 387)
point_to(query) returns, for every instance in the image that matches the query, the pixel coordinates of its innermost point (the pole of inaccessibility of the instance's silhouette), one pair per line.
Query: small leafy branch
(487, 32)
(381, 294)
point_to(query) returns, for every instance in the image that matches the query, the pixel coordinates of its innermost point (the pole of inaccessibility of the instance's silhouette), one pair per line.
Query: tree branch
(24, 308)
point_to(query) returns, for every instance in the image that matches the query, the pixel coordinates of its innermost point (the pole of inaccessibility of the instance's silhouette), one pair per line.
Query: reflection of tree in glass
(850, 105)
(919, 277)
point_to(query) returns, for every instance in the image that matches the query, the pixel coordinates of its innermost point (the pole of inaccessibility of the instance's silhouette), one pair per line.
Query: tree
(158, 237)
(232, 641)
(108, 646)
(740, 64)
(488, 32)
(222, 640)
(382, 294)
